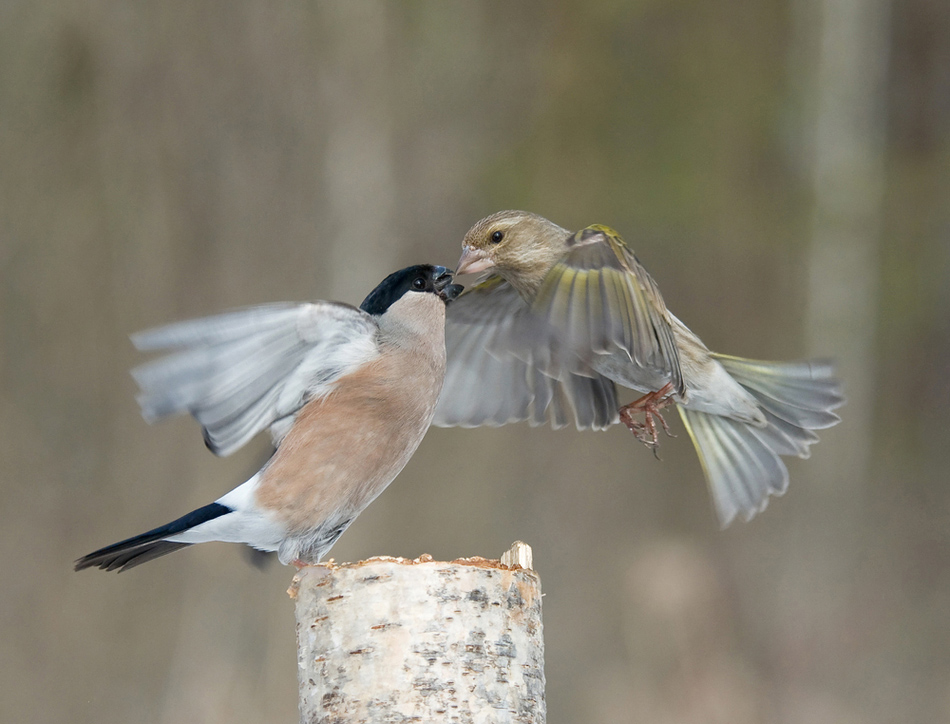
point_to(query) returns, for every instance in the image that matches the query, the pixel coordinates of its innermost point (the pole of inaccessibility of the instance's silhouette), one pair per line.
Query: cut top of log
(518, 557)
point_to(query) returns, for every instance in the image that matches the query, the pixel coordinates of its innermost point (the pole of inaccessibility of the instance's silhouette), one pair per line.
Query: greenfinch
(564, 317)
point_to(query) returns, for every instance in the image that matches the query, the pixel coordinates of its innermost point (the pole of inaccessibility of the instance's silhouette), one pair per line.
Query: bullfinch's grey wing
(244, 371)
(492, 377)
(598, 300)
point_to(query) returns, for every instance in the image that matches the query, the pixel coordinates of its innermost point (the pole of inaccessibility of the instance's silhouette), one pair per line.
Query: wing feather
(495, 375)
(599, 300)
(240, 372)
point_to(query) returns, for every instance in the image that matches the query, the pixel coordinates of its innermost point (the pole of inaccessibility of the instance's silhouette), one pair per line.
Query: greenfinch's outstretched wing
(599, 300)
(487, 384)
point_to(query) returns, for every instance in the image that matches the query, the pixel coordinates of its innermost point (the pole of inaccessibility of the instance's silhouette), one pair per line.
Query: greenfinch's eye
(497, 236)
(419, 284)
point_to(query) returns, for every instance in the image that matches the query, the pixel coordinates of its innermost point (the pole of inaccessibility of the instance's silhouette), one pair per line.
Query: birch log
(396, 640)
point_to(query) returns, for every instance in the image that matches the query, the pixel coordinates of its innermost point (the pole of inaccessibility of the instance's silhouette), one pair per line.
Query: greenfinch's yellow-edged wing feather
(598, 299)
(494, 376)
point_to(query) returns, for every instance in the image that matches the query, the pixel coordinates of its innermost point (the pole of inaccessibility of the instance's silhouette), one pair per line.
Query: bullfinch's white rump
(347, 395)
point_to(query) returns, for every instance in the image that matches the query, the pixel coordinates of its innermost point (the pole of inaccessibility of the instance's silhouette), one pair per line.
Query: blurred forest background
(781, 167)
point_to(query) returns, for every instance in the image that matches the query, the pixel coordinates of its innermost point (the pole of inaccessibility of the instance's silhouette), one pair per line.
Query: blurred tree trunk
(843, 46)
(359, 163)
(845, 144)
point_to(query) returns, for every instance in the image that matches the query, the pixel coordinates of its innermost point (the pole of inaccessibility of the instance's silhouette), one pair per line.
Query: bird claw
(650, 405)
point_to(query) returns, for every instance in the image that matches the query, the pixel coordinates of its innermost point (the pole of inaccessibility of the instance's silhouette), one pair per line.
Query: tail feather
(130, 558)
(802, 393)
(741, 460)
(786, 438)
(150, 545)
(741, 468)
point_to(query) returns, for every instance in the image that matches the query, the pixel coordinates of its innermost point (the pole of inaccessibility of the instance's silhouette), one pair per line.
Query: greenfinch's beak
(474, 261)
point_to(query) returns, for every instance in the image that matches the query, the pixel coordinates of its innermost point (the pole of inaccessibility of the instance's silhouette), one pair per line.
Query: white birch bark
(393, 640)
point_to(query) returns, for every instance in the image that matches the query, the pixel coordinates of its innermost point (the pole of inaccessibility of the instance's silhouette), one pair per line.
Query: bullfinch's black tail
(148, 546)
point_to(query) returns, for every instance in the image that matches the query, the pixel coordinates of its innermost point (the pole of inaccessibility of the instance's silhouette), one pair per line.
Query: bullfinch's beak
(446, 291)
(474, 261)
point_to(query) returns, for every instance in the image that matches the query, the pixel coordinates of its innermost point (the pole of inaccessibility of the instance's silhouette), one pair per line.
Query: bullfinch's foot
(650, 405)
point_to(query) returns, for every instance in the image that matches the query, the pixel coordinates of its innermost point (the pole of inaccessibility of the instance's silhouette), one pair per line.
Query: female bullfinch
(347, 395)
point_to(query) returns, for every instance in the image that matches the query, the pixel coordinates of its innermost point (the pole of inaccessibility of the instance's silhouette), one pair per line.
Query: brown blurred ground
(165, 161)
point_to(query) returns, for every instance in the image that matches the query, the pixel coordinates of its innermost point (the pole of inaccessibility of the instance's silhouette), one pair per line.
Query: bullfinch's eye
(497, 236)
(418, 284)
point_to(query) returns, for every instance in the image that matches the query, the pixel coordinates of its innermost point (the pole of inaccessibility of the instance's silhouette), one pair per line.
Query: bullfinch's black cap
(423, 278)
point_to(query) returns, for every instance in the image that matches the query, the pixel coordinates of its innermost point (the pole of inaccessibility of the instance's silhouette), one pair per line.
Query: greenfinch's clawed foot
(650, 405)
